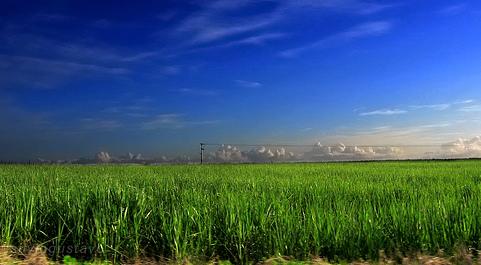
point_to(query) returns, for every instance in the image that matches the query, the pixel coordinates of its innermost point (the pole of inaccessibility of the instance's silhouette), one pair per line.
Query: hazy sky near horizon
(158, 77)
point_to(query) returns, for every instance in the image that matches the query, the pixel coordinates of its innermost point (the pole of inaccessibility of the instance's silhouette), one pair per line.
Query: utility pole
(202, 153)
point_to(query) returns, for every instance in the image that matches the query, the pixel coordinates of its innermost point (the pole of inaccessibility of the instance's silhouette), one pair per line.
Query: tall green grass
(243, 213)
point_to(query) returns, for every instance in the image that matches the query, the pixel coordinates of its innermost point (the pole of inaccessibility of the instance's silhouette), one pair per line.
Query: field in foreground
(242, 213)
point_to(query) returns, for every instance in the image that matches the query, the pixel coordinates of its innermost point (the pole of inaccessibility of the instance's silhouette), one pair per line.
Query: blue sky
(158, 77)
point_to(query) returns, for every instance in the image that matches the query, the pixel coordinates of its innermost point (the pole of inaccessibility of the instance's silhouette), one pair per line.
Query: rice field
(242, 213)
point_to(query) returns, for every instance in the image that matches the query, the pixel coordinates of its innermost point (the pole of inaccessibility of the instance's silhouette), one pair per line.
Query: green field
(242, 213)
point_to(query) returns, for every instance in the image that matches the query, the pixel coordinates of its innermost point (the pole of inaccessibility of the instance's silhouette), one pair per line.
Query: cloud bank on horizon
(461, 148)
(225, 153)
(77, 77)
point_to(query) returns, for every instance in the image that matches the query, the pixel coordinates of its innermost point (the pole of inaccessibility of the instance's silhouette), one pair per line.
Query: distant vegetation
(242, 213)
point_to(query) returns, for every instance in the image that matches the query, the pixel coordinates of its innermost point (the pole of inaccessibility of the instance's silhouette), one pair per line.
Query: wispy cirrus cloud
(167, 15)
(140, 56)
(97, 124)
(351, 6)
(46, 73)
(209, 24)
(173, 121)
(369, 29)
(413, 108)
(248, 84)
(472, 108)
(431, 106)
(420, 135)
(73, 50)
(402, 130)
(137, 107)
(383, 112)
(466, 101)
(213, 26)
(170, 70)
(254, 40)
(442, 106)
(195, 92)
(453, 10)
(257, 39)
(43, 61)
(218, 32)
(68, 66)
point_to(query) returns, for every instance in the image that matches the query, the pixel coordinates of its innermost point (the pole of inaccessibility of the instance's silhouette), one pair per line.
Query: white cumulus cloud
(463, 147)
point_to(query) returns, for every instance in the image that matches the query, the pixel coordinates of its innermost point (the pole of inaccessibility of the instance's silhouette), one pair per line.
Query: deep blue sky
(158, 77)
